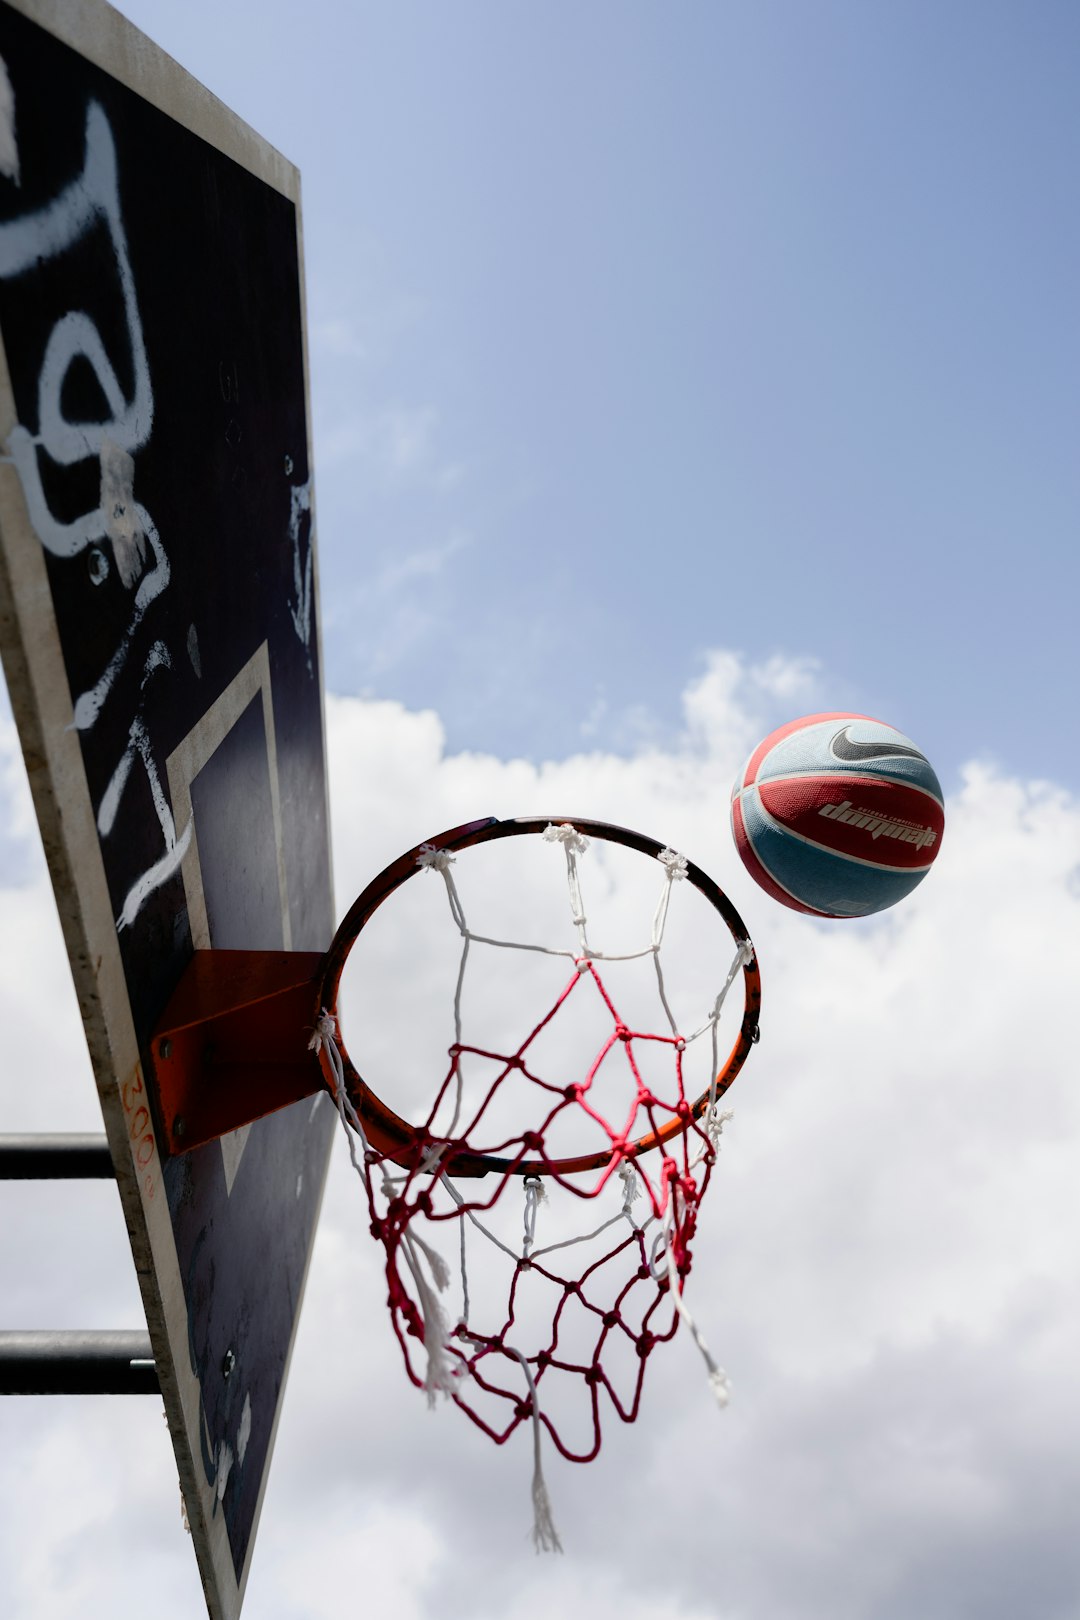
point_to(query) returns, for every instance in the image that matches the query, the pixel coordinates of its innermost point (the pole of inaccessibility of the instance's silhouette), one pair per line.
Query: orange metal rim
(390, 1134)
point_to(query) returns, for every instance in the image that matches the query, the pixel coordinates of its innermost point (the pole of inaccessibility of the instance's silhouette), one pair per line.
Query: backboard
(160, 637)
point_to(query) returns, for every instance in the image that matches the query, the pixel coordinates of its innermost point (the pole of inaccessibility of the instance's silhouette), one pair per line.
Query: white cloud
(393, 443)
(371, 337)
(404, 602)
(383, 1559)
(426, 563)
(339, 339)
(17, 823)
(406, 436)
(885, 1264)
(727, 707)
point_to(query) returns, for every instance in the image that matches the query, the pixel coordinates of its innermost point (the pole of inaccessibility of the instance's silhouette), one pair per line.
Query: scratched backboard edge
(41, 704)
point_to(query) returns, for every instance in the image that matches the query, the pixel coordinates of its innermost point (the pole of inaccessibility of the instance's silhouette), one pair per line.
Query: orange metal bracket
(231, 1046)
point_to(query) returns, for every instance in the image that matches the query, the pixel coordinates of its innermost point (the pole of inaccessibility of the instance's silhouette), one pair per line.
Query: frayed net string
(441, 1373)
(544, 1534)
(719, 1382)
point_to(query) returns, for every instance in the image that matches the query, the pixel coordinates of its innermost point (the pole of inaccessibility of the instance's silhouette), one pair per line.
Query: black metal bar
(55, 1157)
(77, 1363)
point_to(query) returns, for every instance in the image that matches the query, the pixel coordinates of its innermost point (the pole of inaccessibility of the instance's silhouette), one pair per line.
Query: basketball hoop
(573, 1310)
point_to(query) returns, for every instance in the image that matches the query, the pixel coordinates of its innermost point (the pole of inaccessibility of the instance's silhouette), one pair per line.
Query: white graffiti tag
(90, 201)
(303, 564)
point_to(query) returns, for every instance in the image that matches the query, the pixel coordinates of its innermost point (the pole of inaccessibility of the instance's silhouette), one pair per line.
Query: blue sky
(638, 331)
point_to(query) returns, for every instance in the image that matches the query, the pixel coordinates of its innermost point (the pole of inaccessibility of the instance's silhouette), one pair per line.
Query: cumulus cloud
(369, 333)
(395, 442)
(885, 1264)
(17, 826)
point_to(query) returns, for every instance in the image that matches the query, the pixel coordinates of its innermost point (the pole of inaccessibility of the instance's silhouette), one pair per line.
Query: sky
(675, 371)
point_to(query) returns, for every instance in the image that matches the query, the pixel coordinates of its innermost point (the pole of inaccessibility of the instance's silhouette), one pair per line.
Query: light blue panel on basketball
(829, 883)
(849, 746)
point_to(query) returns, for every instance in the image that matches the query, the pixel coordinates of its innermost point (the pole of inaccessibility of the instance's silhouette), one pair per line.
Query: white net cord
(440, 1366)
(544, 1534)
(719, 1382)
(535, 1195)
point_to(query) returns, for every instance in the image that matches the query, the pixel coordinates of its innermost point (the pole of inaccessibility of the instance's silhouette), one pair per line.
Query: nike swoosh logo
(845, 748)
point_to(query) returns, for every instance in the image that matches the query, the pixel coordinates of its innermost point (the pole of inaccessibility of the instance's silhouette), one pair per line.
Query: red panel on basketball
(900, 822)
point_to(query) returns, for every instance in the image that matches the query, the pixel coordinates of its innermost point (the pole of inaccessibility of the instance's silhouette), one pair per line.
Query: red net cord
(583, 1334)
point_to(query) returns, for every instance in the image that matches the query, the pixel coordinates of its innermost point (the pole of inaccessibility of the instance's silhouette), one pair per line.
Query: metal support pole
(53, 1157)
(92, 1363)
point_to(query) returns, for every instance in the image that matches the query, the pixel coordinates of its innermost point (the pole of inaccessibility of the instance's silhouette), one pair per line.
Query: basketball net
(576, 1313)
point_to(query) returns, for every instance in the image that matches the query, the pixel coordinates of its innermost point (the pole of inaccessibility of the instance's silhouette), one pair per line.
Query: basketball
(837, 815)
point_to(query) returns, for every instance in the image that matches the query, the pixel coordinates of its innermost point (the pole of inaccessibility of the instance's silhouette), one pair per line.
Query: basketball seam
(803, 905)
(793, 727)
(798, 904)
(822, 775)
